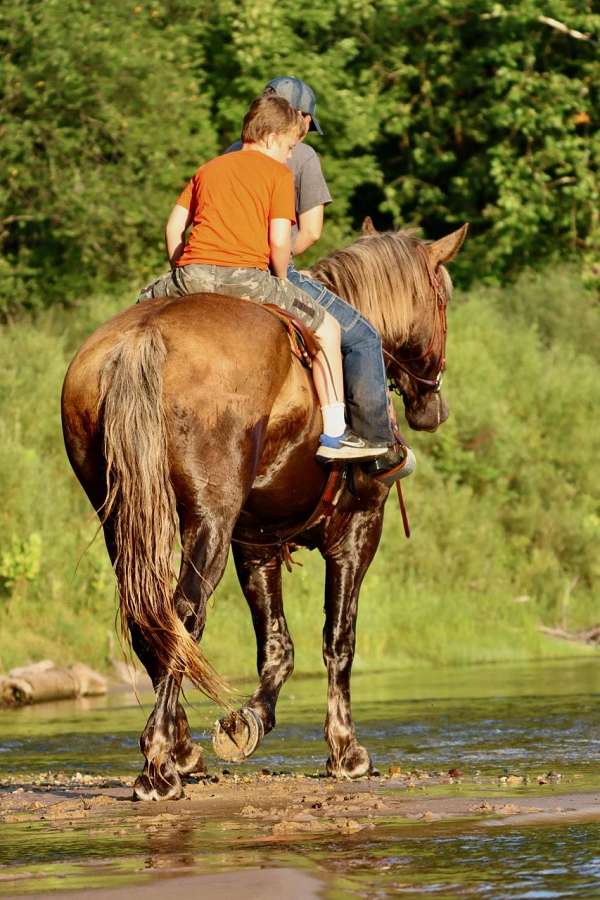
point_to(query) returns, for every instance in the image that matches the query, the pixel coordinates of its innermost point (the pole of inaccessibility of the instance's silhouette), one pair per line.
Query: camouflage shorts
(251, 284)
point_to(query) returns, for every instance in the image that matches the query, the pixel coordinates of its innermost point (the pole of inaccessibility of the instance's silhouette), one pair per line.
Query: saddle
(304, 343)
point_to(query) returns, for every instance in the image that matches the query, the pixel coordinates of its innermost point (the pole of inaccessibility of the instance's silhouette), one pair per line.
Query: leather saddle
(304, 343)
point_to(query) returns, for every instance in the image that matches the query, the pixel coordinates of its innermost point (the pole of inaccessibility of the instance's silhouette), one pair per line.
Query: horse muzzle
(428, 414)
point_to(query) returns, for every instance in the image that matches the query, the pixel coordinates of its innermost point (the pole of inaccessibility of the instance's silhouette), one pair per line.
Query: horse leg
(235, 736)
(188, 756)
(347, 561)
(165, 741)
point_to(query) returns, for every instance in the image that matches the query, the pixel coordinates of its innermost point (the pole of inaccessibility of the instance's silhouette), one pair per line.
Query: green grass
(503, 505)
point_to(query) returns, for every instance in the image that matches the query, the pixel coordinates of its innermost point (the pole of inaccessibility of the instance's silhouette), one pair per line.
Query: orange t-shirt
(232, 199)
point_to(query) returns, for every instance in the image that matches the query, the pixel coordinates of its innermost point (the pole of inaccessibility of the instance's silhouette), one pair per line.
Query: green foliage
(435, 114)
(491, 117)
(520, 442)
(503, 505)
(93, 99)
(20, 561)
(65, 608)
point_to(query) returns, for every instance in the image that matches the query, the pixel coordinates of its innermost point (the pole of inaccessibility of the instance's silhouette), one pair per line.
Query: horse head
(400, 283)
(416, 360)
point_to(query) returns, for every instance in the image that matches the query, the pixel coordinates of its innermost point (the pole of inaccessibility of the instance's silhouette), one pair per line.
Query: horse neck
(384, 277)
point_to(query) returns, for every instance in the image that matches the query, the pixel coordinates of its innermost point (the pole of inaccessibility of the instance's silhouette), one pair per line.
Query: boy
(367, 398)
(241, 208)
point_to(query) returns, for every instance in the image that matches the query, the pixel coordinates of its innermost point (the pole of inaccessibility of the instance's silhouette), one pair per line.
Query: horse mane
(386, 277)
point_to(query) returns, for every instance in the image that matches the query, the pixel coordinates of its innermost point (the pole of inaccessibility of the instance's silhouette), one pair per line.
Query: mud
(287, 804)
(290, 812)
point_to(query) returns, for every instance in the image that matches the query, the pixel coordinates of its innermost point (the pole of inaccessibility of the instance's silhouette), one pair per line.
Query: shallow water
(449, 862)
(485, 718)
(443, 860)
(487, 721)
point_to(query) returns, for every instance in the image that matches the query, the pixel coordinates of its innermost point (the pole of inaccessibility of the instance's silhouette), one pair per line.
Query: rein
(437, 340)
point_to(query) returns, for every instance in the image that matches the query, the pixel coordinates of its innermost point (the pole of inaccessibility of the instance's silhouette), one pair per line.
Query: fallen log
(589, 636)
(43, 681)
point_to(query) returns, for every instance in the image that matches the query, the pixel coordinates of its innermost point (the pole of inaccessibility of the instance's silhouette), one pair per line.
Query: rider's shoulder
(303, 153)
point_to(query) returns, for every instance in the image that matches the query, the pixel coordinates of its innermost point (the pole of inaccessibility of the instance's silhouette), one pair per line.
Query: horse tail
(140, 505)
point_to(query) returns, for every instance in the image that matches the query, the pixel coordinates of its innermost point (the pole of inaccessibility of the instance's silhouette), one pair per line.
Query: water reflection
(442, 859)
(545, 861)
(170, 845)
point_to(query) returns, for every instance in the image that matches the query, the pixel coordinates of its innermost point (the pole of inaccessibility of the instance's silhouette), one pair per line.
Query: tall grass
(503, 505)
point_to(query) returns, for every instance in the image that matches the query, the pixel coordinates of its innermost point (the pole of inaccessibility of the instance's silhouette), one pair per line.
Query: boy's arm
(310, 226)
(177, 224)
(280, 231)
(312, 197)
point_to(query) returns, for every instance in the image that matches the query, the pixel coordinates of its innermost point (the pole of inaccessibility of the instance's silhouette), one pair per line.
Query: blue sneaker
(348, 446)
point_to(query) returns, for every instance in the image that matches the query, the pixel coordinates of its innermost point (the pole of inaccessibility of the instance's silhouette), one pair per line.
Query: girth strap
(279, 535)
(403, 512)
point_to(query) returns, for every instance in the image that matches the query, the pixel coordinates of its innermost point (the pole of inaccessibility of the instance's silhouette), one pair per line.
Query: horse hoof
(191, 761)
(355, 763)
(164, 787)
(237, 735)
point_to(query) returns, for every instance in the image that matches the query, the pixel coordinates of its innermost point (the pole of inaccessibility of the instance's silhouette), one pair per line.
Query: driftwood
(544, 20)
(560, 26)
(44, 681)
(589, 636)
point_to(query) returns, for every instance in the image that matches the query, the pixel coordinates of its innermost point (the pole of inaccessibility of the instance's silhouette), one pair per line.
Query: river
(495, 735)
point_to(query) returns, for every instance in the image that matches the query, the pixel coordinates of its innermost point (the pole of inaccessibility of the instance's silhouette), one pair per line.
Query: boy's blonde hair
(271, 115)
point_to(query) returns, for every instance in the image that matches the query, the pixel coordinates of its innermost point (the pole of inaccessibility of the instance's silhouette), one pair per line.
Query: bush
(96, 143)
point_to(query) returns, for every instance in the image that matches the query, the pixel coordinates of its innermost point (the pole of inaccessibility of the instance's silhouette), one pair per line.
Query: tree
(434, 113)
(102, 121)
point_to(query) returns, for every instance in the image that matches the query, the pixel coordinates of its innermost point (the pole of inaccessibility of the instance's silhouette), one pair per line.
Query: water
(485, 718)
(486, 721)
(442, 861)
(534, 862)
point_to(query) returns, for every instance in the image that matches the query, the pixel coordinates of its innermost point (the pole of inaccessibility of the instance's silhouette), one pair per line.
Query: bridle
(437, 342)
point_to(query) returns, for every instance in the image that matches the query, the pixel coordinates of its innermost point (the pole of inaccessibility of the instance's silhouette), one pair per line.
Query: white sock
(334, 419)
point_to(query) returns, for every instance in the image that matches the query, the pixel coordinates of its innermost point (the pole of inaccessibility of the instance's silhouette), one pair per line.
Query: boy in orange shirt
(241, 208)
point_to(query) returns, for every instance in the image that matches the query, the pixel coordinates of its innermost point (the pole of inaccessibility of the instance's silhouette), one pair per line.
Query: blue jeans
(365, 382)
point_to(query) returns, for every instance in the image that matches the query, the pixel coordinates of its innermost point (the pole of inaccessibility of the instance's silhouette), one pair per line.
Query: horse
(190, 418)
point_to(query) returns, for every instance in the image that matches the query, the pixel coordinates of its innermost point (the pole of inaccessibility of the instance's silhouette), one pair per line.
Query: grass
(503, 505)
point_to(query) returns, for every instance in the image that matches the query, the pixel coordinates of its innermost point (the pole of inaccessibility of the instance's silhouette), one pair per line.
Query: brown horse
(190, 416)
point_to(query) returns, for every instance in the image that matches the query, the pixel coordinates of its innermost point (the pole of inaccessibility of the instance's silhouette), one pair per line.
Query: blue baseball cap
(299, 95)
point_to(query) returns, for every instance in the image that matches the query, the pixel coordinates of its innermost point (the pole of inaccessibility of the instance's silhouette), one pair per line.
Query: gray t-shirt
(309, 183)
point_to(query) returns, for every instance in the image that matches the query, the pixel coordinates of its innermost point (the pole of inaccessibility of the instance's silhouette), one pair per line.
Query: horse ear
(368, 227)
(446, 248)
